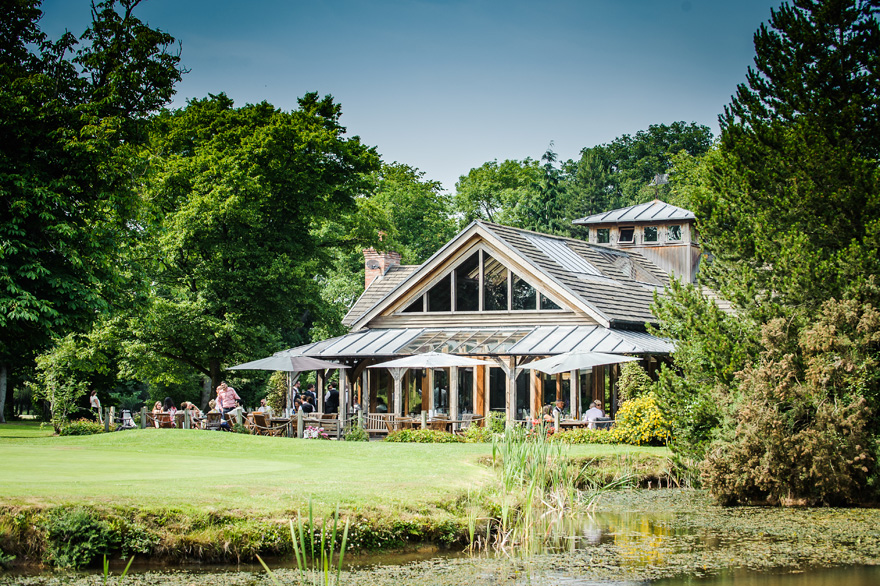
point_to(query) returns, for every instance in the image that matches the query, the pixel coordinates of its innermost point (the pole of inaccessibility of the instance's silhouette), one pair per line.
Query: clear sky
(446, 85)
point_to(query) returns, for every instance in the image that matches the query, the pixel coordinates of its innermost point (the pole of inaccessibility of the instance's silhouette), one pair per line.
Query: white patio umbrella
(575, 361)
(431, 360)
(288, 363)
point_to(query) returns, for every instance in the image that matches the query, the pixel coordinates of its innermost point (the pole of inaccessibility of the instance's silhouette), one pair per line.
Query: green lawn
(185, 469)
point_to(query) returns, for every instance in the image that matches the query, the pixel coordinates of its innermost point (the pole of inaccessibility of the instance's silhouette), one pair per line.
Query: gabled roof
(378, 290)
(614, 287)
(653, 211)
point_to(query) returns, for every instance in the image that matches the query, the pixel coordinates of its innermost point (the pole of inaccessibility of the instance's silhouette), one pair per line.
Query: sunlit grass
(186, 469)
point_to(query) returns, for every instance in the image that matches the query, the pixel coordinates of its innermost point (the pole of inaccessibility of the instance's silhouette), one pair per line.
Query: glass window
(467, 284)
(440, 295)
(523, 411)
(547, 303)
(465, 390)
(603, 235)
(650, 233)
(626, 234)
(441, 391)
(525, 298)
(494, 284)
(497, 390)
(675, 232)
(416, 306)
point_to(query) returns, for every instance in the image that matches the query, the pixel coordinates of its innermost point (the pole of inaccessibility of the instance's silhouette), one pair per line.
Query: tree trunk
(215, 373)
(206, 393)
(2, 392)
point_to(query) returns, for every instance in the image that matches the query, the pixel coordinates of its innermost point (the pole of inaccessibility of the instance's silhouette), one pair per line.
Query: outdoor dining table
(573, 423)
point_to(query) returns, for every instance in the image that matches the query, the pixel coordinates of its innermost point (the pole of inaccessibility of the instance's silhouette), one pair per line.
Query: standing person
(95, 406)
(331, 401)
(227, 398)
(297, 391)
(310, 393)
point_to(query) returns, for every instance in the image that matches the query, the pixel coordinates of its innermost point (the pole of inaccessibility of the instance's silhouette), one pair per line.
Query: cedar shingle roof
(377, 291)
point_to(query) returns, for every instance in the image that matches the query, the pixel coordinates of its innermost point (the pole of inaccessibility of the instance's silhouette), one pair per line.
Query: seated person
(594, 413)
(559, 408)
(264, 408)
(306, 407)
(546, 416)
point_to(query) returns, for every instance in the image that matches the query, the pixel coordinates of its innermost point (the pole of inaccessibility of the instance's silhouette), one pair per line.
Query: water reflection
(858, 576)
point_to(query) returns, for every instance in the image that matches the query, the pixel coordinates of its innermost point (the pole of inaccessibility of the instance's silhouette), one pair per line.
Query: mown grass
(210, 471)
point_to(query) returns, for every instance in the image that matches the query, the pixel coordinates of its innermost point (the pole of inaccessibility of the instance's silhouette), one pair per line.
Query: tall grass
(323, 567)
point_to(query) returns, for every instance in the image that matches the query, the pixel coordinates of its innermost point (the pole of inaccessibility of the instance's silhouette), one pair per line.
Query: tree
(419, 212)
(239, 200)
(487, 191)
(620, 173)
(788, 211)
(72, 114)
(541, 208)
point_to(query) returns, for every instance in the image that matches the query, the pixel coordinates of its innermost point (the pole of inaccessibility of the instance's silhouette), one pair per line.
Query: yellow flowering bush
(640, 422)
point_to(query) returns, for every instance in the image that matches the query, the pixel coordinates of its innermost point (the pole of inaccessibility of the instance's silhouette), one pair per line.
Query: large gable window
(481, 283)
(467, 284)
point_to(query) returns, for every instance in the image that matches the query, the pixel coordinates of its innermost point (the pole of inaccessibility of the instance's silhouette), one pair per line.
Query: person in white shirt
(593, 413)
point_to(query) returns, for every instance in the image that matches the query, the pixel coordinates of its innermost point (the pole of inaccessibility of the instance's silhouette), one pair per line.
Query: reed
(315, 568)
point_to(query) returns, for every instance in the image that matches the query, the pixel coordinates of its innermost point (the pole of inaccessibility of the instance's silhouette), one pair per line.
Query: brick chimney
(377, 264)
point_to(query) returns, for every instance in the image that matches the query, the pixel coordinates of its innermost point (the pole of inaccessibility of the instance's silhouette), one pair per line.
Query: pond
(659, 537)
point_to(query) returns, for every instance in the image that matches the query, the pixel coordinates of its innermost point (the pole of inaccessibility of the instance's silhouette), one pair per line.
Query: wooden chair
(212, 420)
(262, 425)
(232, 419)
(164, 421)
(388, 424)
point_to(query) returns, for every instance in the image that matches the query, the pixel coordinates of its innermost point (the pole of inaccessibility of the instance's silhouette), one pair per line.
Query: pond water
(656, 538)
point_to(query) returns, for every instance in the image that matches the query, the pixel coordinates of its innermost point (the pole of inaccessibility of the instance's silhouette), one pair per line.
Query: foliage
(81, 427)
(276, 391)
(60, 376)
(804, 428)
(586, 436)
(620, 173)
(488, 192)
(242, 203)
(633, 382)
(357, 434)
(423, 436)
(496, 421)
(75, 537)
(477, 434)
(640, 422)
(73, 114)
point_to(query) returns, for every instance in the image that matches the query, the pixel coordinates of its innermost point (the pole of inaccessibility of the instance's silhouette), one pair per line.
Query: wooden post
(106, 419)
(186, 420)
(573, 385)
(480, 392)
(340, 416)
(143, 417)
(424, 419)
(556, 420)
(539, 393)
(112, 414)
(453, 395)
(426, 391)
(397, 376)
(533, 412)
(300, 424)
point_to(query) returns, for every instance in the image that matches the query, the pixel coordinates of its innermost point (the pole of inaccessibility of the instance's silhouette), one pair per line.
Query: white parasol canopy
(575, 361)
(431, 360)
(288, 363)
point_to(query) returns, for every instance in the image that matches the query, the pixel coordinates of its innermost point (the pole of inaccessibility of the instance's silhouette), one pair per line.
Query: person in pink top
(227, 398)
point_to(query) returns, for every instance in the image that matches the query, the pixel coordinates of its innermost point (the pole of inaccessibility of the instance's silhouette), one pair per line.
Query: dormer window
(650, 234)
(627, 235)
(603, 235)
(674, 233)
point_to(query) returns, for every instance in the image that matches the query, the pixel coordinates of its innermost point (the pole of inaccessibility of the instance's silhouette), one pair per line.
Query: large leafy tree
(788, 210)
(620, 173)
(72, 114)
(489, 191)
(240, 201)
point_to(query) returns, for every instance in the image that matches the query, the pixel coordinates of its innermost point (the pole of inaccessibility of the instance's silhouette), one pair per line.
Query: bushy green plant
(496, 422)
(477, 434)
(75, 537)
(276, 391)
(82, 427)
(640, 422)
(423, 436)
(633, 382)
(586, 436)
(357, 434)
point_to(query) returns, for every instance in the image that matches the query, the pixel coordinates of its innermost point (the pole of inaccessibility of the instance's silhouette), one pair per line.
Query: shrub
(423, 436)
(477, 434)
(633, 382)
(357, 434)
(496, 422)
(586, 436)
(82, 427)
(75, 537)
(640, 422)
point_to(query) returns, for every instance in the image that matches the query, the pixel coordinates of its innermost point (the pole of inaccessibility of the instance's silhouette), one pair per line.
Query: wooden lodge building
(510, 297)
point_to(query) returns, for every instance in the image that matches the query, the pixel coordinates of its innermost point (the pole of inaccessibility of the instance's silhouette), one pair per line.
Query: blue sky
(446, 85)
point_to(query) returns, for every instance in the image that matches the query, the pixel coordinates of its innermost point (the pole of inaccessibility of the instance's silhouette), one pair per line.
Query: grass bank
(206, 495)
